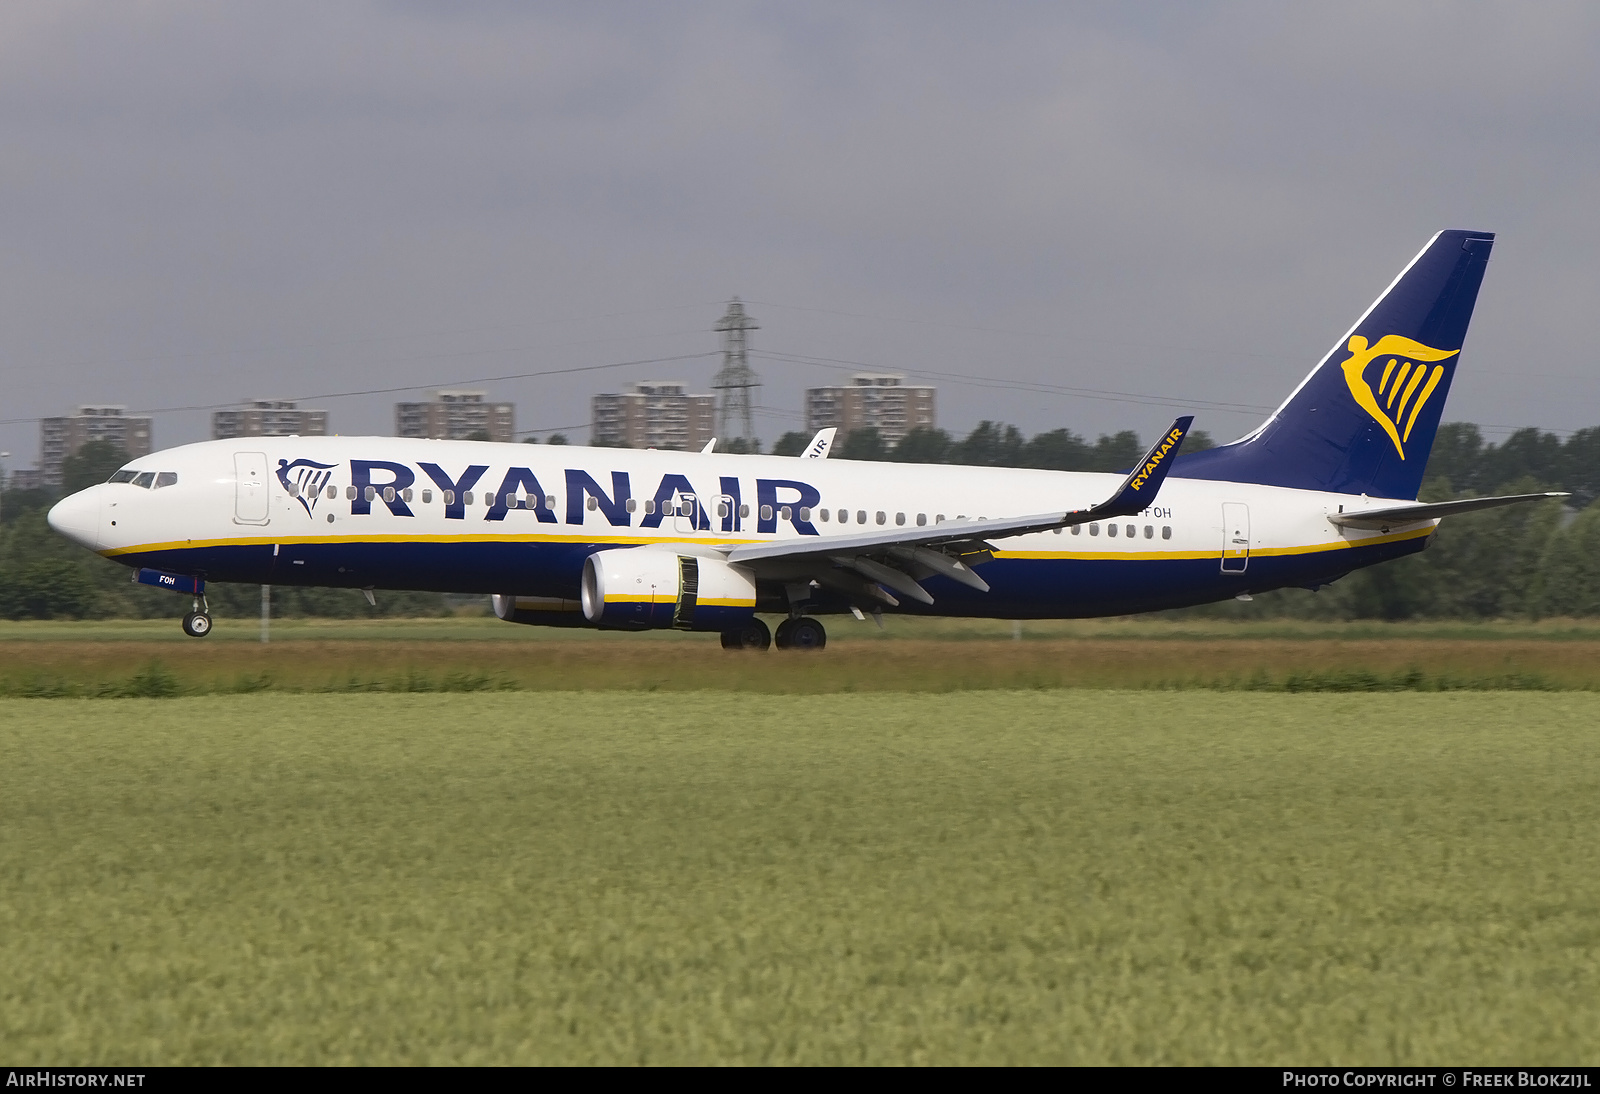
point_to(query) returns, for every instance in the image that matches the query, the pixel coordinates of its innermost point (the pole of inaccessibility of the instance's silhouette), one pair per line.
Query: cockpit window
(166, 478)
(124, 475)
(145, 479)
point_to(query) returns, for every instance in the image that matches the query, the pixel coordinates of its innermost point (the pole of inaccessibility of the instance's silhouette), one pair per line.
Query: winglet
(710, 446)
(820, 444)
(1139, 489)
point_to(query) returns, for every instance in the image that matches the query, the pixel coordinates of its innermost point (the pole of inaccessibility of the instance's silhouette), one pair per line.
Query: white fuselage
(295, 510)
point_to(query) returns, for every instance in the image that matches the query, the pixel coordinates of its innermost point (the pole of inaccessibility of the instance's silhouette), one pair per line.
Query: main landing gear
(197, 624)
(752, 634)
(803, 633)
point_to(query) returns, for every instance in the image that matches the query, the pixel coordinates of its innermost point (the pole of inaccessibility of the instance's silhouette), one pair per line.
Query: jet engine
(648, 588)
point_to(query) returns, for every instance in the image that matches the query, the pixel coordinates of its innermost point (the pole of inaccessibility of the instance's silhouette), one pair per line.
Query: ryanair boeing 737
(629, 540)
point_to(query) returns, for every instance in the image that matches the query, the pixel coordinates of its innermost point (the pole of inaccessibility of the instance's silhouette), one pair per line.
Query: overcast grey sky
(205, 202)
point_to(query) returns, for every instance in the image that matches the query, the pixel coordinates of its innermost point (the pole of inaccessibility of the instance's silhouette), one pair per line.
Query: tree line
(1530, 561)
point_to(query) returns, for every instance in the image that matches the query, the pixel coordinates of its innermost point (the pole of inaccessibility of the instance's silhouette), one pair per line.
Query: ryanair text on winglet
(1167, 445)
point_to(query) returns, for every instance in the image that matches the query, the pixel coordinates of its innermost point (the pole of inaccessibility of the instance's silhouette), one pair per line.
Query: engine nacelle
(645, 588)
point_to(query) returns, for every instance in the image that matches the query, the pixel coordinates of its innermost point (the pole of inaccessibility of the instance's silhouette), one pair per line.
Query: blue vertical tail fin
(1364, 420)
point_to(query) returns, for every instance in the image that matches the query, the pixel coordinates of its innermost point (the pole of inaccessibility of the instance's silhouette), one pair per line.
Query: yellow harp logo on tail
(1397, 397)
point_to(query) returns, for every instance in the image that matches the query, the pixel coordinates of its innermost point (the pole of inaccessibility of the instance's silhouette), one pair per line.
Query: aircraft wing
(899, 558)
(1413, 512)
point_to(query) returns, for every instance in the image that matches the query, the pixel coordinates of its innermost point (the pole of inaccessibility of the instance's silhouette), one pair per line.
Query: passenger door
(251, 493)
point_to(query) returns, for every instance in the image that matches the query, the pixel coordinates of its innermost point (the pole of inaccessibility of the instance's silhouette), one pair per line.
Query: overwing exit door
(1235, 537)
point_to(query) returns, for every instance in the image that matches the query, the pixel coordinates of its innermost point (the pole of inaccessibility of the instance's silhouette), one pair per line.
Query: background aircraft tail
(1364, 420)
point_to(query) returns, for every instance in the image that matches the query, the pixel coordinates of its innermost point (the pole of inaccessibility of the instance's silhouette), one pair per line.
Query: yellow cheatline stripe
(289, 541)
(488, 537)
(703, 602)
(1255, 552)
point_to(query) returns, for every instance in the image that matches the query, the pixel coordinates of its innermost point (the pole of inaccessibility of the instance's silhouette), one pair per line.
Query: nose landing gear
(197, 624)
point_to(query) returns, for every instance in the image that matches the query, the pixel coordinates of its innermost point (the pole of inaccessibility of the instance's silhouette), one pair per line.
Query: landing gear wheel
(750, 635)
(197, 624)
(804, 633)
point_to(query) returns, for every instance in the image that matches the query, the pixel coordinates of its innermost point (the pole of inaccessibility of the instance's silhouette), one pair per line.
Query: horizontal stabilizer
(1411, 514)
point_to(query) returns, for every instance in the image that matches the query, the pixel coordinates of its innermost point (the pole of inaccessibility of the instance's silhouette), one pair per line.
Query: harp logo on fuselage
(303, 480)
(1406, 377)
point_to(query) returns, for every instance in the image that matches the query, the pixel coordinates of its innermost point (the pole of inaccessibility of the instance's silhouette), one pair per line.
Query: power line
(410, 387)
(1013, 384)
(1230, 351)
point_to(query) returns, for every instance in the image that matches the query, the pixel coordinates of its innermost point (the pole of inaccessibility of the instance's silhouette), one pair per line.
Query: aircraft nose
(78, 517)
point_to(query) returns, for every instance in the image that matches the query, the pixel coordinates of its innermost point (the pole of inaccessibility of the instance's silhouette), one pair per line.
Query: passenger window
(145, 479)
(1056, 529)
(350, 493)
(922, 520)
(1149, 532)
(632, 505)
(372, 493)
(1166, 531)
(722, 510)
(823, 513)
(449, 497)
(939, 519)
(1111, 529)
(861, 516)
(882, 516)
(649, 505)
(766, 512)
(122, 476)
(594, 503)
(1131, 531)
(1077, 529)
(294, 490)
(844, 516)
(405, 495)
(1094, 529)
(785, 513)
(333, 492)
(744, 510)
(551, 501)
(427, 496)
(899, 518)
(388, 493)
(805, 513)
(166, 478)
(466, 497)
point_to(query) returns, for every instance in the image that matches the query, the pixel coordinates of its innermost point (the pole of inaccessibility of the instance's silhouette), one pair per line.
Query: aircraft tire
(197, 624)
(752, 635)
(806, 633)
(781, 639)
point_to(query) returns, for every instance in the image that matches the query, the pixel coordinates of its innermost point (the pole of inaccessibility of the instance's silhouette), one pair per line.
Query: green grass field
(150, 658)
(1067, 876)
